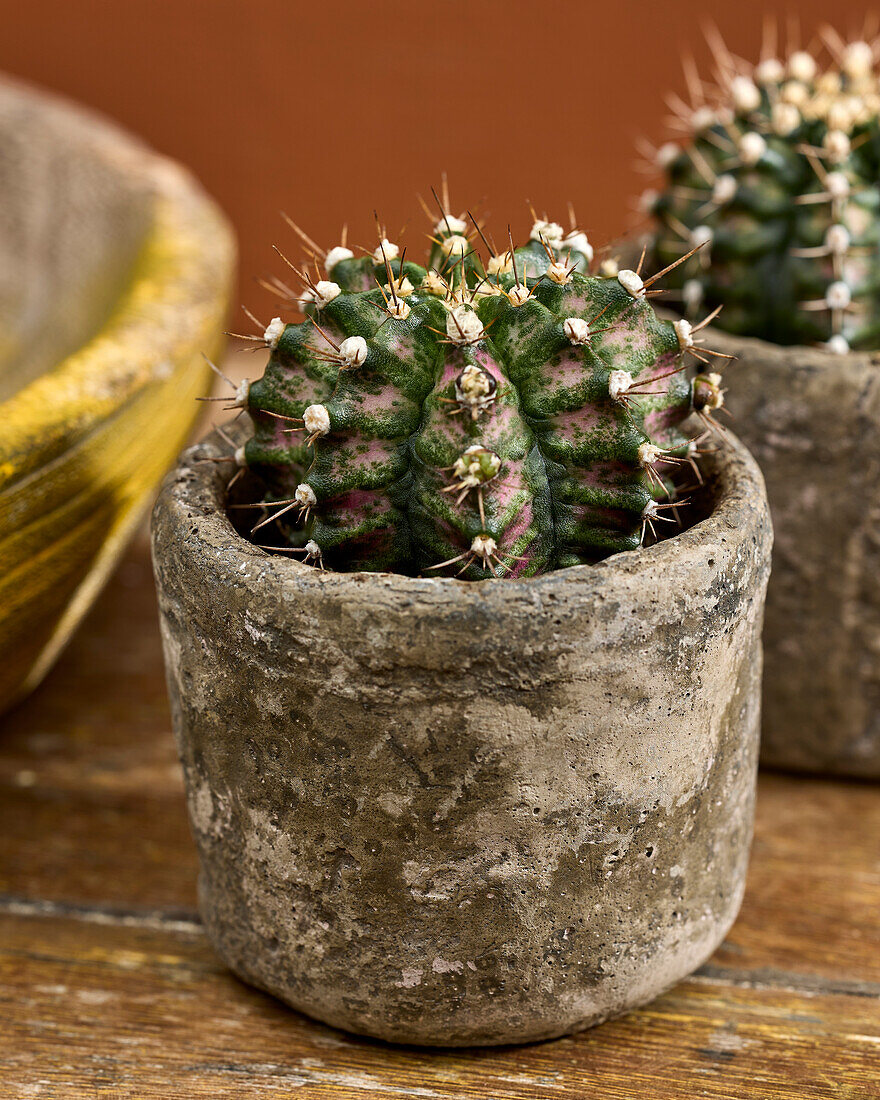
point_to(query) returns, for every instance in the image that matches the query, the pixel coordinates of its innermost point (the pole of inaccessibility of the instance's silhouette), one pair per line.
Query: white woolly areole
(801, 66)
(837, 185)
(239, 457)
(704, 118)
(433, 284)
(455, 245)
(609, 269)
(858, 59)
(386, 251)
(325, 292)
(336, 256)
(353, 351)
(648, 200)
(701, 235)
(576, 330)
(684, 331)
(305, 495)
(577, 242)
(474, 384)
(837, 344)
(838, 295)
(649, 453)
(829, 83)
(450, 224)
(485, 289)
(692, 293)
(484, 546)
(619, 381)
(631, 282)
(499, 265)
(518, 294)
(784, 118)
(751, 148)
(402, 288)
(559, 273)
(306, 298)
(840, 115)
(666, 154)
(745, 94)
(463, 326)
(316, 420)
(242, 393)
(551, 232)
(274, 331)
(476, 466)
(770, 71)
(398, 308)
(312, 549)
(650, 511)
(837, 239)
(715, 398)
(837, 145)
(795, 93)
(723, 189)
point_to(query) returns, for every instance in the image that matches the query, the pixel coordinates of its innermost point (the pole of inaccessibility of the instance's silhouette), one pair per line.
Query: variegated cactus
(778, 178)
(498, 414)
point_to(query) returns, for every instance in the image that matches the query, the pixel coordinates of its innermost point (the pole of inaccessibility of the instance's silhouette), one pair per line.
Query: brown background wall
(334, 108)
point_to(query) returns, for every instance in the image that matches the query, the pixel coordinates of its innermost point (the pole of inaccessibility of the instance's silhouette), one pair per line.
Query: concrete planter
(455, 813)
(812, 420)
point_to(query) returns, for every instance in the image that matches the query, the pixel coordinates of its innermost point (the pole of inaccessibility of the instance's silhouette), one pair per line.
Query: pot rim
(191, 508)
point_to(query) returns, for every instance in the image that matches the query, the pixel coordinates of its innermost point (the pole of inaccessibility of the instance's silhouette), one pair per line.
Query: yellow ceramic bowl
(115, 271)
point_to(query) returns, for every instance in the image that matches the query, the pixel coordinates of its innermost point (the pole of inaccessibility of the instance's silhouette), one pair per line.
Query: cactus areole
(777, 178)
(502, 414)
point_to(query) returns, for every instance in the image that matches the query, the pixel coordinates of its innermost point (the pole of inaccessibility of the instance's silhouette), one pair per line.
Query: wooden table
(108, 987)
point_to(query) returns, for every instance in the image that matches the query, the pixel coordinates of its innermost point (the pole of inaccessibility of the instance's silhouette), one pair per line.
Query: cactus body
(778, 180)
(497, 420)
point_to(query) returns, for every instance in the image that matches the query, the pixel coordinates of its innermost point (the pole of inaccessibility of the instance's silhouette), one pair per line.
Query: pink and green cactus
(776, 176)
(493, 413)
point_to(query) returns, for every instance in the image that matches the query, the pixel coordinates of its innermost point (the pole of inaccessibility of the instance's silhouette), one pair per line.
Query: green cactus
(777, 179)
(500, 418)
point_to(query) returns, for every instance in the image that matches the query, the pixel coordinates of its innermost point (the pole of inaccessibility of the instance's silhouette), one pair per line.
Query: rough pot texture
(812, 420)
(451, 813)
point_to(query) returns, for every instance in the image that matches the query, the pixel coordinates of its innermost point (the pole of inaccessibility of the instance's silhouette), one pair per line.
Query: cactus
(496, 416)
(777, 180)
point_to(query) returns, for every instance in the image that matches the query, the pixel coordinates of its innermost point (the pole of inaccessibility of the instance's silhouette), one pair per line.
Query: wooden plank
(93, 1008)
(812, 903)
(91, 795)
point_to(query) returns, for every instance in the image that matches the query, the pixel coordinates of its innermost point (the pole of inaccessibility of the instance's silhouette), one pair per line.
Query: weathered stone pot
(454, 813)
(812, 420)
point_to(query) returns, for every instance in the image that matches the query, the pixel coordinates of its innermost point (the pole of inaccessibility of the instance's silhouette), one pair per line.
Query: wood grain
(109, 988)
(149, 1012)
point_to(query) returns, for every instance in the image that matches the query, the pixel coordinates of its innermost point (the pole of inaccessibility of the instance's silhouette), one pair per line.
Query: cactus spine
(777, 179)
(484, 416)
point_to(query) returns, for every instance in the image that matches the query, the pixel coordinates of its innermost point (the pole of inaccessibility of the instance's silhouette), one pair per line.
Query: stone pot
(812, 420)
(451, 813)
